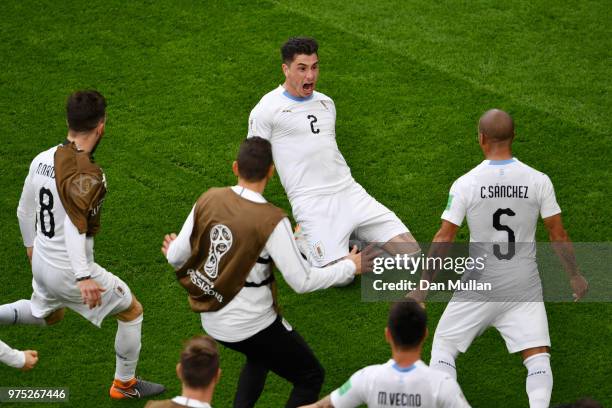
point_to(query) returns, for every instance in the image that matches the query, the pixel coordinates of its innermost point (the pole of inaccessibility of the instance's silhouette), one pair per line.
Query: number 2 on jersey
(46, 207)
(500, 227)
(313, 120)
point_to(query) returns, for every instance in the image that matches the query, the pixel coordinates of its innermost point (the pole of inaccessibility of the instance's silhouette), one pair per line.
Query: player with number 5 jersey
(59, 214)
(502, 199)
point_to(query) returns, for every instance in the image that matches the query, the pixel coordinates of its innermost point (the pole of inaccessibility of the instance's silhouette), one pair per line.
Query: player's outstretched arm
(564, 249)
(298, 273)
(177, 248)
(24, 360)
(439, 249)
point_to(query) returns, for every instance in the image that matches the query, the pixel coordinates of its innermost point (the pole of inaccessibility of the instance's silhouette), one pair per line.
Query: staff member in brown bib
(223, 256)
(199, 373)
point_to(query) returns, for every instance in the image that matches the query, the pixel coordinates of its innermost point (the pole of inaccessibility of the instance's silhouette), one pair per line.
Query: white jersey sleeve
(548, 201)
(296, 270)
(456, 207)
(450, 395)
(26, 211)
(76, 246)
(260, 122)
(11, 357)
(180, 249)
(353, 393)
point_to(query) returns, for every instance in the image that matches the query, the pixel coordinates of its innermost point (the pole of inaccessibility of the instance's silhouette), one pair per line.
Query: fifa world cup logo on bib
(220, 242)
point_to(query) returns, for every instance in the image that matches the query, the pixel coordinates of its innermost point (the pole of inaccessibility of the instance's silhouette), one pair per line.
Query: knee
(534, 351)
(136, 308)
(131, 313)
(55, 317)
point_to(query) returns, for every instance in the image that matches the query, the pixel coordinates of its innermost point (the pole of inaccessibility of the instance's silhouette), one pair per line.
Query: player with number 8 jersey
(59, 214)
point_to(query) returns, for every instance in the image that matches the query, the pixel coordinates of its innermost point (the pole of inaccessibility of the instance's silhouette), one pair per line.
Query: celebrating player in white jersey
(502, 199)
(403, 381)
(59, 213)
(327, 203)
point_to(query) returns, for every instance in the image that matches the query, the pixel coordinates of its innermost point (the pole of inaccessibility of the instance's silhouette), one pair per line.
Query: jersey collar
(248, 194)
(396, 367)
(192, 403)
(501, 162)
(296, 98)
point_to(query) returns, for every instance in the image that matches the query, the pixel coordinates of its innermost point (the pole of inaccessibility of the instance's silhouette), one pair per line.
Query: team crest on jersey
(318, 251)
(221, 240)
(119, 291)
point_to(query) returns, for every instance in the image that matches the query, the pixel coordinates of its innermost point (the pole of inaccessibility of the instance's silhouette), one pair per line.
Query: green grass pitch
(409, 79)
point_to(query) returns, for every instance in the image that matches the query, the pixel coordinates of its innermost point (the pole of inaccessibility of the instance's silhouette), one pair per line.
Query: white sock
(443, 360)
(127, 348)
(19, 312)
(539, 380)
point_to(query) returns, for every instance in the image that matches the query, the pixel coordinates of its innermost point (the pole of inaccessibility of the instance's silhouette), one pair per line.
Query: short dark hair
(407, 324)
(84, 110)
(254, 158)
(296, 46)
(199, 361)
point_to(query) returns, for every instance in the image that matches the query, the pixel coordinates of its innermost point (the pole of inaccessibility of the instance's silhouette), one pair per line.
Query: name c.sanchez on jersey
(504, 191)
(302, 132)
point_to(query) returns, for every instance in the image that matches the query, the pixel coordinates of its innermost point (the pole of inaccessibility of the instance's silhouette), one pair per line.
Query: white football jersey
(41, 213)
(388, 385)
(502, 200)
(302, 132)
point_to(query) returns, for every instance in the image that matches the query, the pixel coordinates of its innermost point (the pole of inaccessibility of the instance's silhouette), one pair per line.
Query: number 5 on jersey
(500, 227)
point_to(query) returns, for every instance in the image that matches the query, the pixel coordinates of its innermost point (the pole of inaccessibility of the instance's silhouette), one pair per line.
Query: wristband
(82, 278)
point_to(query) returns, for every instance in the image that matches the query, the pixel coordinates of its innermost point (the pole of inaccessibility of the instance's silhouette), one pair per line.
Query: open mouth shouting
(308, 88)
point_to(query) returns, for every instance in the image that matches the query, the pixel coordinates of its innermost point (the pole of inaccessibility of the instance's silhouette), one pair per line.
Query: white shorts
(328, 221)
(523, 325)
(55, 288)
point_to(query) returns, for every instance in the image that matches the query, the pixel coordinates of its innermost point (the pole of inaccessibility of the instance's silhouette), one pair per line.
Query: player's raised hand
(167, 241)
(31, 358)
(580, 286)
(91, 292)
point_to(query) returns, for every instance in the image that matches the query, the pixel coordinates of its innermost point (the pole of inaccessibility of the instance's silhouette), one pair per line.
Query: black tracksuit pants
(285, 353)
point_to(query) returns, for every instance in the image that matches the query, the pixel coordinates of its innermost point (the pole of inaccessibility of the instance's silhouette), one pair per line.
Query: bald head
(496, 125)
